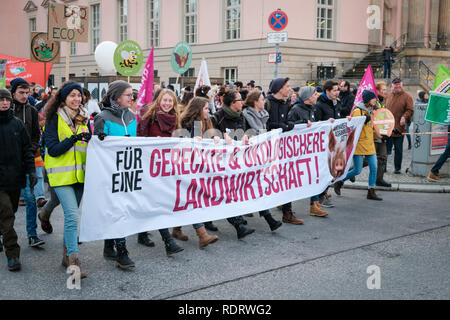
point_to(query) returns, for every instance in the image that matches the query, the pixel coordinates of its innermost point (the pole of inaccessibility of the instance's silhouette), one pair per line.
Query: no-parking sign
(278, 20)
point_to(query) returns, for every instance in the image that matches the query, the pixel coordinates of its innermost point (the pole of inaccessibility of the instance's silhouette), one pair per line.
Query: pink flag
(367, 83)
(146, 92)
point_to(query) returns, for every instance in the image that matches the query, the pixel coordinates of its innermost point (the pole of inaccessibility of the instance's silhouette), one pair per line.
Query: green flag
(442, 80)
(438, 109)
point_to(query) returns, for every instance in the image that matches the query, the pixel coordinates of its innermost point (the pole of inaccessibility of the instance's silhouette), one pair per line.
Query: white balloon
(104, 56)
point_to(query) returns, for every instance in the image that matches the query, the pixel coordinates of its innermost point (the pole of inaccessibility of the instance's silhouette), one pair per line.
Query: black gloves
(368, 118)
(290, 126)
(102, 136)
(33, 179)
(84, 136)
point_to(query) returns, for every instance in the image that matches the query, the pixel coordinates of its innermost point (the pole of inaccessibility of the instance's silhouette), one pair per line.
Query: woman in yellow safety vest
(66, 134)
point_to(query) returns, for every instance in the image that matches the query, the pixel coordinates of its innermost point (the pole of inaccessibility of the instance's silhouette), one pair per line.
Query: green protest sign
(2, 72)
(128, 58)
(442, 80)
(181, 57)
(438, 109)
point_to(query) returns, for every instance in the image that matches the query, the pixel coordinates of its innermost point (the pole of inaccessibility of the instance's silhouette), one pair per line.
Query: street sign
(181, 57)
(277, 37)
(275, 57)
(272, 57)
(128, 58)
(278, 20)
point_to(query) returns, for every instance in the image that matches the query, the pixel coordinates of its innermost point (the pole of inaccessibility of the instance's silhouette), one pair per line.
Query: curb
(402, 187)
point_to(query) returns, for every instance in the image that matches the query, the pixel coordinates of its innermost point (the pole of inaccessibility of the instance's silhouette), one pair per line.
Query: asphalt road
(406, 236)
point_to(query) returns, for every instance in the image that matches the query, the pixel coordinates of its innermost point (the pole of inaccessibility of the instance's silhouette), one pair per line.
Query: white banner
(136, 184)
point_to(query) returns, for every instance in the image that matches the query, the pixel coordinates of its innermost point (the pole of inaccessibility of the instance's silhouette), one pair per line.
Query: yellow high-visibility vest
(69, 167)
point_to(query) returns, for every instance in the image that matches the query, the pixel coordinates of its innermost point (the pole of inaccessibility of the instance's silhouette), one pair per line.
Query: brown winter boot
(74, 261)
(178, 234)
(315, 210)
(288, 217)
(371, 195)
(65, 259)
(204, 238)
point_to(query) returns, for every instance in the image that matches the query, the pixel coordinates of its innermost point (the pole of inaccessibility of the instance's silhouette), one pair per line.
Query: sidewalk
(402, 182)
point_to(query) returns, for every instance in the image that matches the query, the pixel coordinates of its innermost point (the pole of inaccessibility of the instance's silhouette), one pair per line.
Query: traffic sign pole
(278, 20)
(275, 73)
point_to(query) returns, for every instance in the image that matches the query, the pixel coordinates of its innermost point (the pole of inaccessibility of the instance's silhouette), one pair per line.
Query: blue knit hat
(68, 88)
(368, 95)
(16, 82)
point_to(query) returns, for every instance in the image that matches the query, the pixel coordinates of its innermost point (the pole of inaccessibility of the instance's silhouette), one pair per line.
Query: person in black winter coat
(347, 99)
(303, 112)
(230, 117)
(16, 162)
(278, 107)
(328, 105)
(20, 90)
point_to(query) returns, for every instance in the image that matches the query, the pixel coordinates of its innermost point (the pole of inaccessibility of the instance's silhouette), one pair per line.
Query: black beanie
(16, 82)
(277, 84)
(368, 95)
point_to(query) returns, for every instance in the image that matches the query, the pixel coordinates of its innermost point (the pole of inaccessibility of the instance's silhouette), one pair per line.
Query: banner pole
(45, 75)
(67, 59)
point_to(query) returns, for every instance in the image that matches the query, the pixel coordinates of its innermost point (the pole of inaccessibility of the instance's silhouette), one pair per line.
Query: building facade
(324, 36)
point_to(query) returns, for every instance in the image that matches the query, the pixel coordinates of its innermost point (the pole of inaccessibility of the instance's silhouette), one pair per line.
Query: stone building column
(416, 22)
(444, 24)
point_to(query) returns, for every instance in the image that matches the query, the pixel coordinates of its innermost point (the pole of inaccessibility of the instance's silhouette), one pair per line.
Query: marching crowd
(45, 138)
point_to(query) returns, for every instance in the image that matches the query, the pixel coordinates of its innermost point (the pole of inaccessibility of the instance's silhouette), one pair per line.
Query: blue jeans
(314, 199)
(440, 162)
(357, 167)
(39, 187)
(408, 136)
(30, 201)
(70, 198)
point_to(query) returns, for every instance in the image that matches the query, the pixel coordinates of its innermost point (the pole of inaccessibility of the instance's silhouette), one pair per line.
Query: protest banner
(140, 184)
(24, 68)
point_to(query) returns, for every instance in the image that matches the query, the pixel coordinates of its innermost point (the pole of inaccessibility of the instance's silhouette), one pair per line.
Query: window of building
(189, 73)
(123, 20)
(190, 21)
(95, 26)
(233, 20)
(33, 25)
(325, 19)
(153, 19)
(230, 74)
(73, 48)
